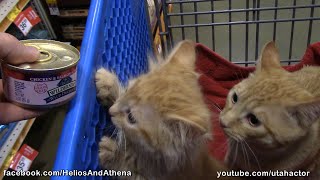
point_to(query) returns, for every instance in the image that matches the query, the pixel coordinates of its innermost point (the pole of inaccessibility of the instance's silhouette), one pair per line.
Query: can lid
(54, 55)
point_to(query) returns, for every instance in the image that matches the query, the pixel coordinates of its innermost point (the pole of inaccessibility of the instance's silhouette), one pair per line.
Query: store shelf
(13, 143)
(7, 7)
(156, 37)
(153, 15)
(45, 23)
(73, 31)
(73, 13)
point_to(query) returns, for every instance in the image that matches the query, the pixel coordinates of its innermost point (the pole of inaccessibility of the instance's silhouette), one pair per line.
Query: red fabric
(219, 76)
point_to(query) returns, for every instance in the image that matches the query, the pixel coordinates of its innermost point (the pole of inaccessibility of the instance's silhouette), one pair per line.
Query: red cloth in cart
(219, 76)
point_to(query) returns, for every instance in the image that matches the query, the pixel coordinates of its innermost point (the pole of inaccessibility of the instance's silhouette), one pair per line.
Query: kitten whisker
(115, 132)
(242, 150)
(247, 155)
(122, 142)
(235, 154)
(107, 128)
(215, 105)
(118, 138)
(125, 144)
(235, 138)
(253, 154)
(182, 109)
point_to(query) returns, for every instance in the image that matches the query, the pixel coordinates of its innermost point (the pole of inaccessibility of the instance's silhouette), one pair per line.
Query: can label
(40, 89)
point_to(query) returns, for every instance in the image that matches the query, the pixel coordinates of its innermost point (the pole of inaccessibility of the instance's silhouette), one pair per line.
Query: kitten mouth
(117, 125)
(114, 122)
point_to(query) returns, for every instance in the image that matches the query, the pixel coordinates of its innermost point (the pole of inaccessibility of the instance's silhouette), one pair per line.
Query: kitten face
(258, 116)
(261, 109)
(156, 103)
(140, 123)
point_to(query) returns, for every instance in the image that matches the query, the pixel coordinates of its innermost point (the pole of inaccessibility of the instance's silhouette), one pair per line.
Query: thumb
(14, 52)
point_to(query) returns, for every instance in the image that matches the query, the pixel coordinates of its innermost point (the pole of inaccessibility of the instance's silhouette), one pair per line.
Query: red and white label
(26, 20)
(23, 159)
(34, 89)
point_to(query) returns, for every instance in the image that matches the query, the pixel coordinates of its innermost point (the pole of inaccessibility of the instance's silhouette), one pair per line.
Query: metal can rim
(51, 69)
(32, 71)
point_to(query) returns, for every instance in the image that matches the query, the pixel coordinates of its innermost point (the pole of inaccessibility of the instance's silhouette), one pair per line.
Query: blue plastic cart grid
(117, 37)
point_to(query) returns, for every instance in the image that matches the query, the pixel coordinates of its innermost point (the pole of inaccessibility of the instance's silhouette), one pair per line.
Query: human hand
(14, 52)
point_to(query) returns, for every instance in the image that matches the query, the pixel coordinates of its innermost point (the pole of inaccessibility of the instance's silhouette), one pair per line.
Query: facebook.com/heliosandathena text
(37, 173)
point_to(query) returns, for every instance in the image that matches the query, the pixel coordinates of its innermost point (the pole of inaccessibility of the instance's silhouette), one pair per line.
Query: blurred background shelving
(65, 22)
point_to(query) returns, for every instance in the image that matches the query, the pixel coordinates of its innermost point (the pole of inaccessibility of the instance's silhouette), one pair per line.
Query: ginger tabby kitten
(163, 123)
(275, 116)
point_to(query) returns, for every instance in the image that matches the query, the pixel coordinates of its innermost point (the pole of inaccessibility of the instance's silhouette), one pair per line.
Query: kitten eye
(131, 119)
(253, 120)
(234, 98)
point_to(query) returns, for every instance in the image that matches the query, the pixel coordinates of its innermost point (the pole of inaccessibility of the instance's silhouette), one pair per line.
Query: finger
(11, 113)
(14, 52)
(1, 88)
(1, 92)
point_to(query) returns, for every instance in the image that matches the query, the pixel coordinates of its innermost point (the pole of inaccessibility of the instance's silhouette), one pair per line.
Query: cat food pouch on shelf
(46, 83)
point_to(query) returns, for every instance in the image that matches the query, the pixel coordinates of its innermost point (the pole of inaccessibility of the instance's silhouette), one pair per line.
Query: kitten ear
(269, 58)
(184, 53)
(306, 113)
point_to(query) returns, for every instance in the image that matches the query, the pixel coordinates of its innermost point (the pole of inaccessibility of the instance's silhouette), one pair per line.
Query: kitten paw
(107, 87)
(107, 149)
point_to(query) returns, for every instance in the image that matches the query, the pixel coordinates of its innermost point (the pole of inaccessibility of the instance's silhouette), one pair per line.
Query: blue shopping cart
(117, 37)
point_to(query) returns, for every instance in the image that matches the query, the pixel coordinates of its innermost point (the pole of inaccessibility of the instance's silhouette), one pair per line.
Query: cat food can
(45, 83)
